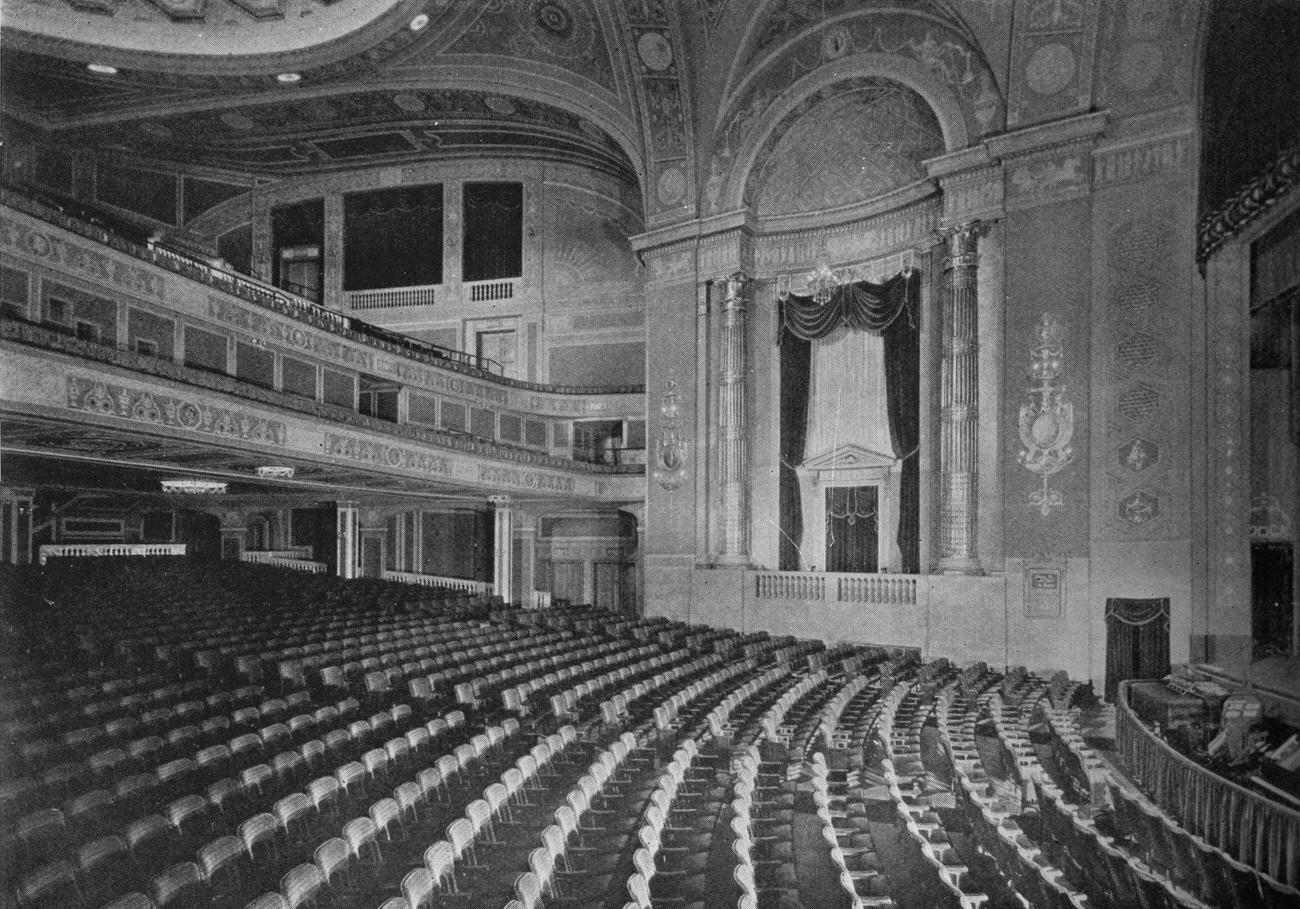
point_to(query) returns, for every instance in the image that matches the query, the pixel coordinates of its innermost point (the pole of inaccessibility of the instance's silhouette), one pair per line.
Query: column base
(960, 565)
(732, 560)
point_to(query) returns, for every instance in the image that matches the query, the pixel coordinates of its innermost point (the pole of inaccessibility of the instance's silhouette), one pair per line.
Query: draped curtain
(494, 231)
(1137, 640)
(890, 309)
(796, 368)
(392, 238)
(852, 528)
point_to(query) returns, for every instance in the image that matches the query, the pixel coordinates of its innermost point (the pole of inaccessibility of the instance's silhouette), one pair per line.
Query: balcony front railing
(48, 338)
(483, 588)
(280, 561)
(1249, 826)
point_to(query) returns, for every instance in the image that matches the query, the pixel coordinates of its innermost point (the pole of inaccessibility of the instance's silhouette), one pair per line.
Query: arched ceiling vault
(385, 82)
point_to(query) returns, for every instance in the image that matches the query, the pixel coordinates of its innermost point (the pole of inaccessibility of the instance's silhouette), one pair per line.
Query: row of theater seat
(683, 757)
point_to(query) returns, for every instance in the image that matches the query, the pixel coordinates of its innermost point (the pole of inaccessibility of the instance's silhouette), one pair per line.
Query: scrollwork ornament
(1047, 421)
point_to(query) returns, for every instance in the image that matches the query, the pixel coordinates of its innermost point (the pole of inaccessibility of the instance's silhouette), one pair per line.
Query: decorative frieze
(1143, 161)
(383, 454)
(55, 250)
(143, 405)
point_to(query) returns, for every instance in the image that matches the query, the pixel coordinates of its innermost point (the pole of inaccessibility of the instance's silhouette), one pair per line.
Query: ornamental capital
(963, 242)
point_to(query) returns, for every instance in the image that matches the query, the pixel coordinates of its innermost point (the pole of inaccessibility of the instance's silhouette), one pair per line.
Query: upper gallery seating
(185, 735)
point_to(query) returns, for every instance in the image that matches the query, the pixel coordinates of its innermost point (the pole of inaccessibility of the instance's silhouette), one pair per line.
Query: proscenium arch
(904, 71)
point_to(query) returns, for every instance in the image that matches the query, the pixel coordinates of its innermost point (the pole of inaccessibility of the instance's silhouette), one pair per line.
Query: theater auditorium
(649, 454)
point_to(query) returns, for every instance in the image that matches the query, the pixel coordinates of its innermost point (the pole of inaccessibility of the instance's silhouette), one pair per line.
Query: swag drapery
(891, 310)
(1137, 640)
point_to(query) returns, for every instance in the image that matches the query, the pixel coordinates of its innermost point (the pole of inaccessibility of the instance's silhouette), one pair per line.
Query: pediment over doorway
(849, 457)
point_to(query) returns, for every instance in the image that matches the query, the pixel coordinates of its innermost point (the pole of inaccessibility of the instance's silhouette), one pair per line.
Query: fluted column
(959, 402)
(347, 551)
(503, 539)
(733, 459)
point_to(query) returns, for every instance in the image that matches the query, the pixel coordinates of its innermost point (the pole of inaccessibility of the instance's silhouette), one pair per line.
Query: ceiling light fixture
(275, 472)
(102, 68)
(419, 22)
(289, 77)
(194, 487)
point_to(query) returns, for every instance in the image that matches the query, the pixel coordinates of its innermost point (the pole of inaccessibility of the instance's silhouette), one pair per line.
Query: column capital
(733, 290)
(499, 500)
(962, 242)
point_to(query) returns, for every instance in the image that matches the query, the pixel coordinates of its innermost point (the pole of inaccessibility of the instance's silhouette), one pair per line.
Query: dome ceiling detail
(199, 28)
(848, 144)
(368, 126)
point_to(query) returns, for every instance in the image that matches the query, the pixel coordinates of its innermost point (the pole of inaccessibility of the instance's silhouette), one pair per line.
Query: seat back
(301, 885)
(332, 857)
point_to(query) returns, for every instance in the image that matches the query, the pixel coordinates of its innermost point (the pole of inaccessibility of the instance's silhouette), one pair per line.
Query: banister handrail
(1207, 804)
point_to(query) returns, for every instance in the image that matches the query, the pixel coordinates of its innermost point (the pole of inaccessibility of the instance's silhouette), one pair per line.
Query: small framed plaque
(1044, 592)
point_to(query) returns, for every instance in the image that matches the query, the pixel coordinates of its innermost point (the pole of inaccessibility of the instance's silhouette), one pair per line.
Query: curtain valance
(861, 306)
(1137, 612)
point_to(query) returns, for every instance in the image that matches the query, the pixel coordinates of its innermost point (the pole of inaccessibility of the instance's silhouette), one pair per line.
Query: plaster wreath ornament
(1047, 421)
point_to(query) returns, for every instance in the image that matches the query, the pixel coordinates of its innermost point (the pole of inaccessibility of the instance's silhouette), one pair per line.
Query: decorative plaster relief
(523, 479)
(1047, 421)
(973, 195)
(909, 228)
(1160, 157)
(54, 250)
(385, 455)
(144, 406)
(672, 446)
(1048, 178)
(1052, 58)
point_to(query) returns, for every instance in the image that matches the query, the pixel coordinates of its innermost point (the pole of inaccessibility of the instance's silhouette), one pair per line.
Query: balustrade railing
(541, 599)
(391, 297)
(432, 580)
(836, 587)
(88, 550)
(484, 291)
(282, 561)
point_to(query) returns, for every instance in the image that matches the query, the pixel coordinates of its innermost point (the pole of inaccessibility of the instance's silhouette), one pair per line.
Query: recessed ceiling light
(419, 22)
(289, 77)
(102, 68)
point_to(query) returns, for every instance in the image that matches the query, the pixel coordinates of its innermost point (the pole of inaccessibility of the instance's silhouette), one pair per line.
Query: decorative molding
(85, 261)
(170, 411)
(1149, 159)
(1247, 205)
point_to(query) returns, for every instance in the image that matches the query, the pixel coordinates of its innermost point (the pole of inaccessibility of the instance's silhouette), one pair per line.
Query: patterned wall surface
(1142, 363)
(848, 143)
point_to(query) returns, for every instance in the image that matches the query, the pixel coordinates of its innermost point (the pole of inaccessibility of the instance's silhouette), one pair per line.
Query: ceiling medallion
(289, 78)
(191, 486)
(419, 22)
(103, 69)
